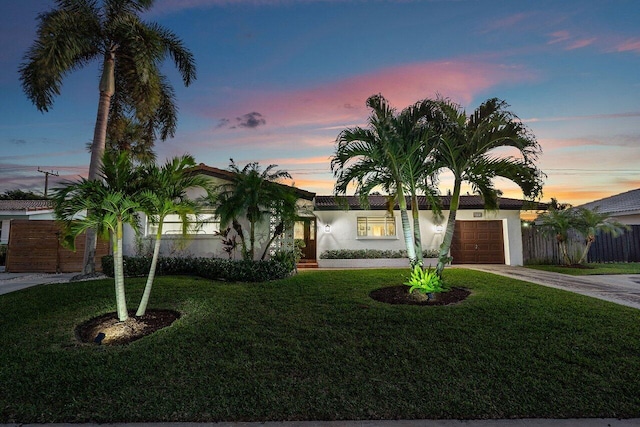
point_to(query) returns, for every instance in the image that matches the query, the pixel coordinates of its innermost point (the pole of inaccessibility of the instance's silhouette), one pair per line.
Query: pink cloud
(578, 44)
(630, 45)
(588, 117)
(559, 36)
(343, 102)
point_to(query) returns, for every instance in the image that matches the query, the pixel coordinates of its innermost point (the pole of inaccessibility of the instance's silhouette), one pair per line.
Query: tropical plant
(166, 194)
(107, 204)
(78, 32)
(391, 153)
(254, 194)
(467, 149)
(424, 281)
(590, 222)
(559, 222)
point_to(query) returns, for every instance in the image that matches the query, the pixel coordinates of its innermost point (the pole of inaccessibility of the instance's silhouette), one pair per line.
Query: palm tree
(392, 153)
(558, 220)
(108, 204)
(467, 150)
(251, 194)
(131, 51)
(166, 194)
(589, 222)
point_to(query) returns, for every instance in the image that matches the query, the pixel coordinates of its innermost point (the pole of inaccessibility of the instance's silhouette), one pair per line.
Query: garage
(478, 242)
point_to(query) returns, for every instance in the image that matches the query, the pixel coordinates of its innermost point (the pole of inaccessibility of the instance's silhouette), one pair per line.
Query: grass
(316, 347)
(594, 268)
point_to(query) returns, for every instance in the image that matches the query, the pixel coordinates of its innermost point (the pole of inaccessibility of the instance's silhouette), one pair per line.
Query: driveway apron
(622, 289)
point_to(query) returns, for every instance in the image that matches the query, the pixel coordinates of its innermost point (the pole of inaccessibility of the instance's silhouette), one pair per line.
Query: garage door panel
(478, 242)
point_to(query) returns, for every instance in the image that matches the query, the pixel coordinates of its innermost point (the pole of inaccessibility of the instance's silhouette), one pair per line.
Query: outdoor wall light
(327, 228)
(438, 229)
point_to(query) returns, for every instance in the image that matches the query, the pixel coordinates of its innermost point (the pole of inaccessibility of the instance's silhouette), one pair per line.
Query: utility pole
(46, 179)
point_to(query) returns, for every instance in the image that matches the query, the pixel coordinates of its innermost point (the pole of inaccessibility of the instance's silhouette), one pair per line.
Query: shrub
(209, 268)
(372, 253)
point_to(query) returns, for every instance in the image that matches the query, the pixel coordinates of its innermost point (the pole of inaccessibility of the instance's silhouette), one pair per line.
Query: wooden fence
(541, 248)
(34, 247)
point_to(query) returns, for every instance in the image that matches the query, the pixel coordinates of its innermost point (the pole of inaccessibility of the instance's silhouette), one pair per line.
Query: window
(383, 226)
(204, 224)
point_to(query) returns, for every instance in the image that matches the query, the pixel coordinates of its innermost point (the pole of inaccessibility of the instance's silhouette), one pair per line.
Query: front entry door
(305, 229)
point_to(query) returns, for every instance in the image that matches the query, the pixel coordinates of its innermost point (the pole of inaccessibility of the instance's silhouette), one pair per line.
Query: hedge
(372, 253)
(208, 268)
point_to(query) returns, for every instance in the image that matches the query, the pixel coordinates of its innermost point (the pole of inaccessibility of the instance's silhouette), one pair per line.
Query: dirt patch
(108, 330)
(400, 295)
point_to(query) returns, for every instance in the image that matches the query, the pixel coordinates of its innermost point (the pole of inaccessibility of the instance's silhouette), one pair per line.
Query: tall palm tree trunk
(417, 238)
(142, 308)
(590, 240)
(406, 231)
(121, 302)
(443, 256)
(107, 89)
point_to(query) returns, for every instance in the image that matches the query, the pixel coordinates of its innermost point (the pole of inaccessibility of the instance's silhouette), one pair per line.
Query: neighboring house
(22, 209)
(623, 207)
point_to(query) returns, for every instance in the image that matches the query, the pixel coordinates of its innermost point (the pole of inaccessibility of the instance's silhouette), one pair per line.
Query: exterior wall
(628, 219)
(206, 245)
(7, 216)
(342, 232)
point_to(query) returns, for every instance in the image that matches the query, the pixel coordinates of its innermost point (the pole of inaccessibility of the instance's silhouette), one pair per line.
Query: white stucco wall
(343, 231)
(629, 219)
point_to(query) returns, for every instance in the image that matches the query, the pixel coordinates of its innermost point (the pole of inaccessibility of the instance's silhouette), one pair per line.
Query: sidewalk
(622, 289)
(10, 282)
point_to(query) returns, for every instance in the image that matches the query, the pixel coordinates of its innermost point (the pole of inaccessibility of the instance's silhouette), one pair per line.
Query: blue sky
(278, 80)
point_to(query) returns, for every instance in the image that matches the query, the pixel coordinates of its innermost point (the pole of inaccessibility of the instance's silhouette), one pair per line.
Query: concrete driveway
(622, 289)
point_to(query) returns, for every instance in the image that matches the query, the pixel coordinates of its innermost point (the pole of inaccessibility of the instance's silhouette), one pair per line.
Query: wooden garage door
(478, 242)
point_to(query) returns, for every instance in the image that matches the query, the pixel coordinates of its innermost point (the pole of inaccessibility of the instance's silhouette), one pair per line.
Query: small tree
(104, 205)
(590, 222)
(558, 222)
(166, 194)
(254, 195)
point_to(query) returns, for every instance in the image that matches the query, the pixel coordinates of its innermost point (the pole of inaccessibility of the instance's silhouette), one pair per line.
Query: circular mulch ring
(108, 330)
(400, 295)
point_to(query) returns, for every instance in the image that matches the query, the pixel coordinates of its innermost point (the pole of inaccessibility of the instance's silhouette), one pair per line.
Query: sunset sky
(279, 79)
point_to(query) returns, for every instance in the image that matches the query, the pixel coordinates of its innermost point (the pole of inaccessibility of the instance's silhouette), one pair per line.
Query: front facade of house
(325, 224)
(481, 237)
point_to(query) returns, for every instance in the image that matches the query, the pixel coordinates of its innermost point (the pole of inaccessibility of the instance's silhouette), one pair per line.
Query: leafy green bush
(209, 268)
(372, 253)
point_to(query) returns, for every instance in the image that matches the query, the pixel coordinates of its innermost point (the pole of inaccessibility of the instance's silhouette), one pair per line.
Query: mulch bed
(400, 295)
(108, 330)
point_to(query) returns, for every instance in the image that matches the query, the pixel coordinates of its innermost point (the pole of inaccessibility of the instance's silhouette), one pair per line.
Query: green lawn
(316, 347)
(593, 268)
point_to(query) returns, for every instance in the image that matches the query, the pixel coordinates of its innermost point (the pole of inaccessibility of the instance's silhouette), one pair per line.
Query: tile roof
(380, 203)
(25, 205)
(228, 175)
(627, 202)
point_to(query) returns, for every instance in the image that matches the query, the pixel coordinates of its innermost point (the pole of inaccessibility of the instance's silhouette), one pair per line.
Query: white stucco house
(325, 224)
